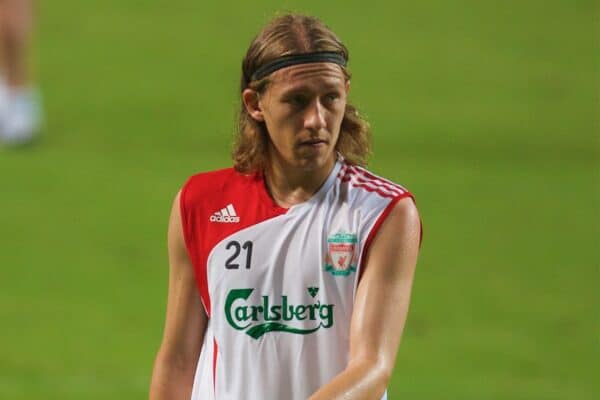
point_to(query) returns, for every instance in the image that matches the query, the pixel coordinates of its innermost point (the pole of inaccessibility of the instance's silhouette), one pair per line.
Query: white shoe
(20, 116)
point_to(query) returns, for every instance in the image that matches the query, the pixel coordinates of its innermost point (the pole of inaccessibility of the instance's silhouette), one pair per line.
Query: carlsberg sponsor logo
(270, 315)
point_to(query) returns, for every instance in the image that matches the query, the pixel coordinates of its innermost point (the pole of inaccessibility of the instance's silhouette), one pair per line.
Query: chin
(316, 162)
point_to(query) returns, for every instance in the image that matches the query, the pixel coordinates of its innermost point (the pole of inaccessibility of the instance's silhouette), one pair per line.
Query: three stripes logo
(225, 215)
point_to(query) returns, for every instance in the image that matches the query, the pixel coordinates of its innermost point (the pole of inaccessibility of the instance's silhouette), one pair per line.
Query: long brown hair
(286, 35)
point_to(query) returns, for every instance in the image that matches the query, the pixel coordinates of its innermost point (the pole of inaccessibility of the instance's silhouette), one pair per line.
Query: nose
(314, 119)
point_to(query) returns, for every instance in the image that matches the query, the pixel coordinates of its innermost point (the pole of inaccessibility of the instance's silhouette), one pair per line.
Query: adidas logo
(225, 215)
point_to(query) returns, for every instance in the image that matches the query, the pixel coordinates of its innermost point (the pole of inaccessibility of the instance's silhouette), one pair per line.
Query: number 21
(237, 248)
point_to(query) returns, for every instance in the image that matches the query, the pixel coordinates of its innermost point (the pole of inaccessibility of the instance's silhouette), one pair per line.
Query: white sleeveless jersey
(278, 284)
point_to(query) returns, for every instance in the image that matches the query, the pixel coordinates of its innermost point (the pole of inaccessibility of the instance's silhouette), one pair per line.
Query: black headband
(294, 59)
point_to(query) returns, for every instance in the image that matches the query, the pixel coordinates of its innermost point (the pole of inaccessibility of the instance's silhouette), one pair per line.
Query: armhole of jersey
(375, 229)
(201, 281)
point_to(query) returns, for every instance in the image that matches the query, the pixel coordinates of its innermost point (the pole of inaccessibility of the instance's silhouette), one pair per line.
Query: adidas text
(220, 218)
(226, 215)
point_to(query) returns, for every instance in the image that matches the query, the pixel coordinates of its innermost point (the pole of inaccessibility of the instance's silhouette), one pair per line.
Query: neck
(289, 186)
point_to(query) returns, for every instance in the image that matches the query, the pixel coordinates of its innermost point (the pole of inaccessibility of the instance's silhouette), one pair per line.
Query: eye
(331, 97)
(297, 100)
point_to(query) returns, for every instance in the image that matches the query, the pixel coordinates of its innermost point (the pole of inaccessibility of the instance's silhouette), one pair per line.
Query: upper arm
(186, 319)
(383, 293)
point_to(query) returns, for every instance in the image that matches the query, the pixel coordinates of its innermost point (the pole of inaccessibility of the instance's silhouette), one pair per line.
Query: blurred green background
(487, 111)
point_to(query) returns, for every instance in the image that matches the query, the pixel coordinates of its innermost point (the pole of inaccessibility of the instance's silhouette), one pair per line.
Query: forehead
(308, 76)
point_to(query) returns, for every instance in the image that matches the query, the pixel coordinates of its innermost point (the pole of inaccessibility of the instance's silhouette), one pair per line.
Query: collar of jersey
(322, 191)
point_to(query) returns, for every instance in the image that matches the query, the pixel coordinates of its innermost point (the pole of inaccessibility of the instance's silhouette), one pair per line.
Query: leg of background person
(19, 108)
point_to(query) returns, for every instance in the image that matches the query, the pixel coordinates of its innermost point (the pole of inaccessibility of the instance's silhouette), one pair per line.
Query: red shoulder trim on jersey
(360, 178)
(214, 205)
(369, 175)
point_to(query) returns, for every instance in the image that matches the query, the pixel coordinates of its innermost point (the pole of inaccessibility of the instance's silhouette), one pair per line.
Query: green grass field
(487, 111)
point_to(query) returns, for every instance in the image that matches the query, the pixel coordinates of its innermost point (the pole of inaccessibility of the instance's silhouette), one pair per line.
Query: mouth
(314, 143)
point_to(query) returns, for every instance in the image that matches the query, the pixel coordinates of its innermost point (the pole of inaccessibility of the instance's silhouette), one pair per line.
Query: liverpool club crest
(341, 254)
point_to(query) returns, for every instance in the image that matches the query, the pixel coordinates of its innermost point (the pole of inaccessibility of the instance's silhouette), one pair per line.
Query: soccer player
(20, 110)
(290, 273)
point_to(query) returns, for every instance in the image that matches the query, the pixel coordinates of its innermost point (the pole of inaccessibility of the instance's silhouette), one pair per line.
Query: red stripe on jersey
(403, 190)
(342, 171)
(374, 189)
(361, 178)
(380, 187)
(215, 353)
(367, 175)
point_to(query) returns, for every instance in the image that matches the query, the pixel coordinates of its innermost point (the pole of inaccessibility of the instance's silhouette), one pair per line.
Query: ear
(347, 86)
(251, 102)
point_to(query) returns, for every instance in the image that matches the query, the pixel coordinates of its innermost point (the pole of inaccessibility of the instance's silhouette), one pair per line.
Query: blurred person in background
(290, 273)
(20, 112)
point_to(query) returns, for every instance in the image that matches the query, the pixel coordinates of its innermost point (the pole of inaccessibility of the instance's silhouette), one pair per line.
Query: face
(303, 108)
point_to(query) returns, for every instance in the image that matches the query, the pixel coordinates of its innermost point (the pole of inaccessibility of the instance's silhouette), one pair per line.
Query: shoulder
(405, 216)
(215, 183)
(388, 203)
(209, 181)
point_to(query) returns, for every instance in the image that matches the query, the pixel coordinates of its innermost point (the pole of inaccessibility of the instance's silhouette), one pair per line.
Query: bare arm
(185, 325)
(380, 309)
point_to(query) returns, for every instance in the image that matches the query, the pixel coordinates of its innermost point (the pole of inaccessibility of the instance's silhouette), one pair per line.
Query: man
(20, 110)
(290, 274)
